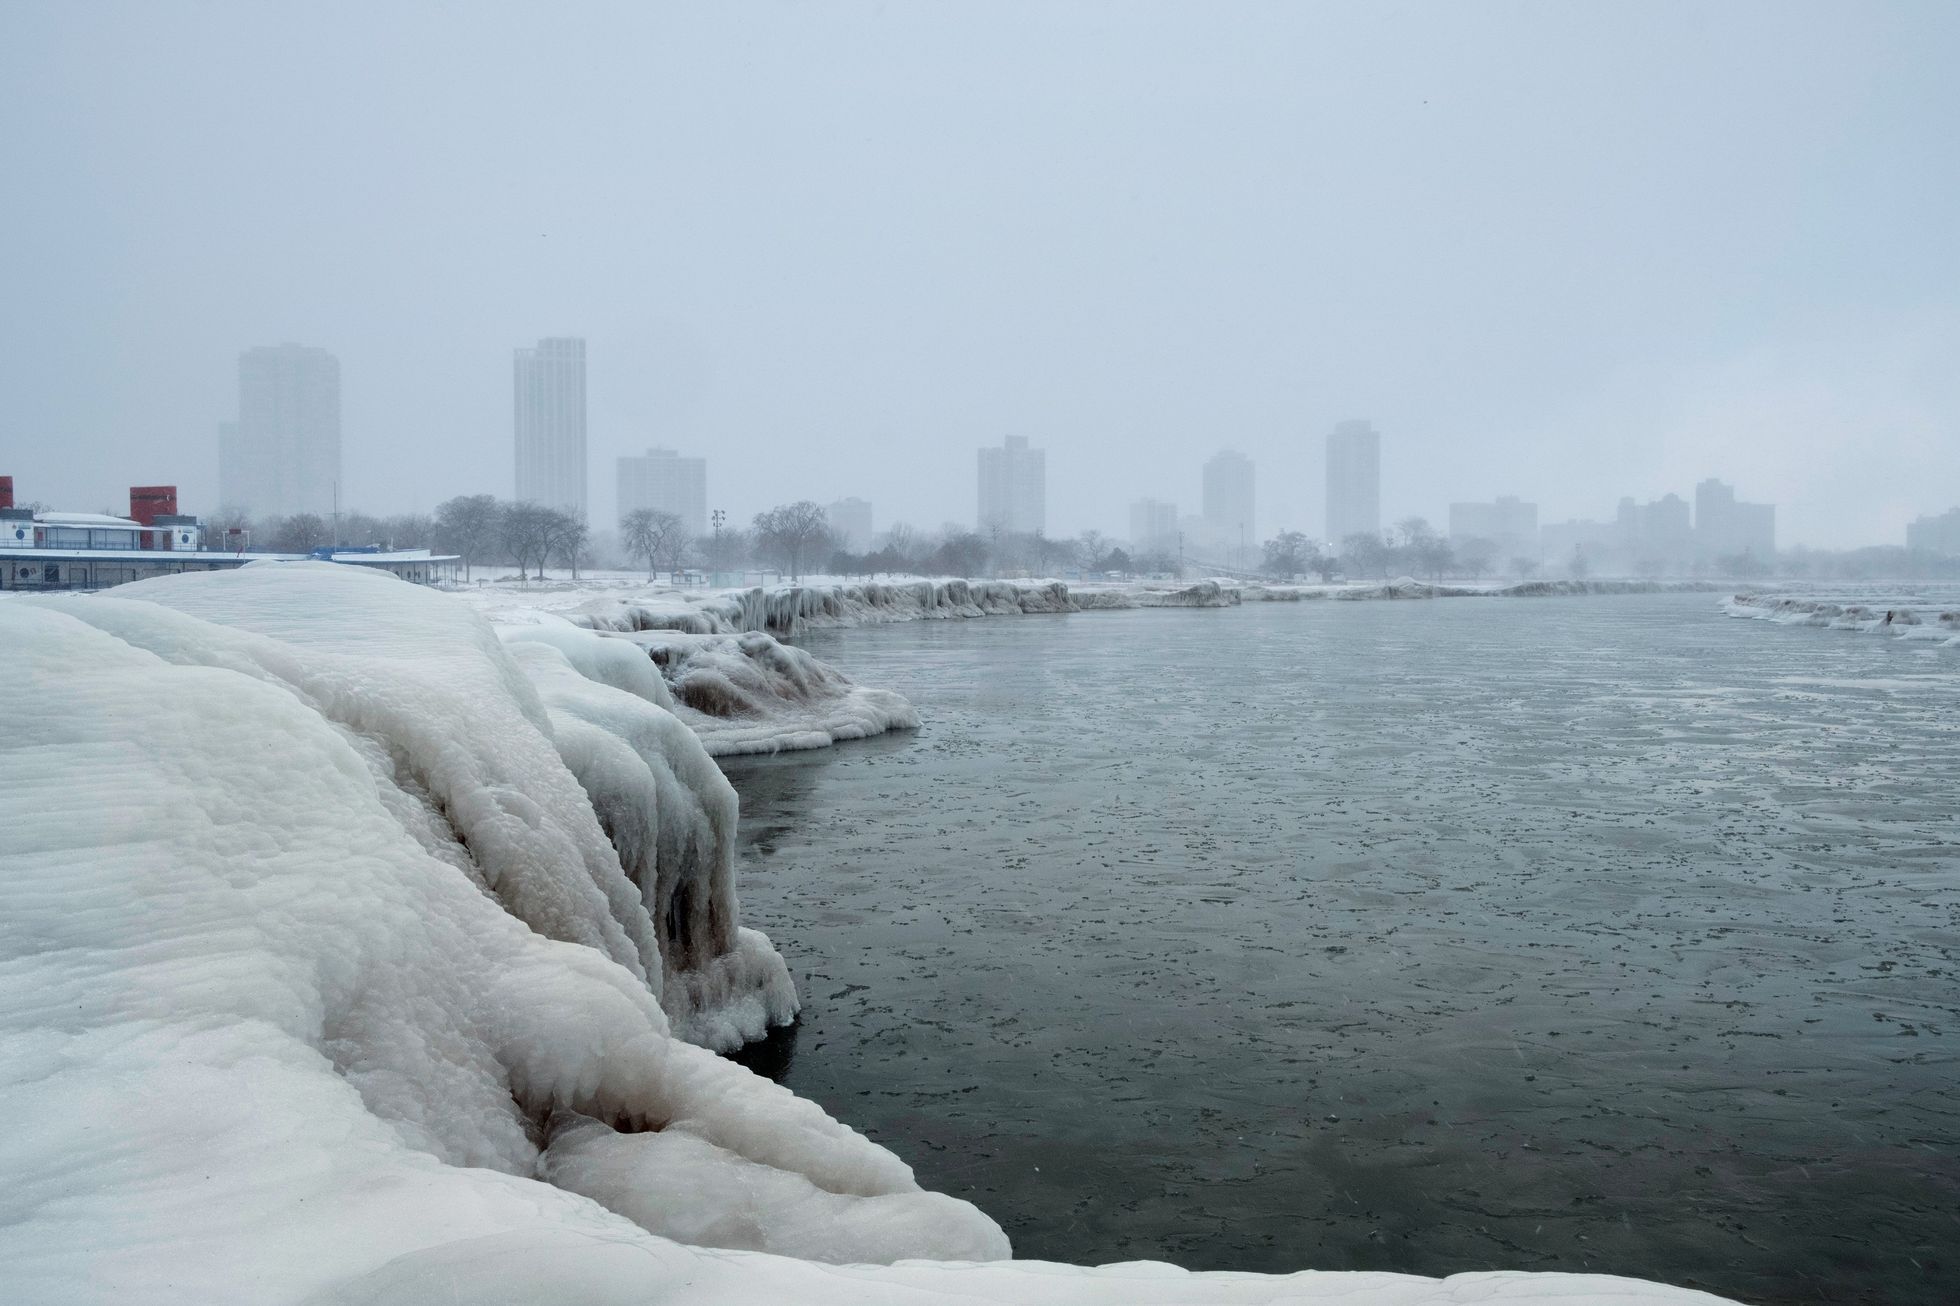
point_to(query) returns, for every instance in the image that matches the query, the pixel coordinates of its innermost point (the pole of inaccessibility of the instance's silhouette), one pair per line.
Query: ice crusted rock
(751, 694)
(1901, 619)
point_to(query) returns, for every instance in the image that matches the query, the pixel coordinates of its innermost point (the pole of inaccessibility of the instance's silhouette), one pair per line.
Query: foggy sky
(1565, 251)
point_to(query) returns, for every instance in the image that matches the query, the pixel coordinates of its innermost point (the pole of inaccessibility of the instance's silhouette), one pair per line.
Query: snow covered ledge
(321, 981)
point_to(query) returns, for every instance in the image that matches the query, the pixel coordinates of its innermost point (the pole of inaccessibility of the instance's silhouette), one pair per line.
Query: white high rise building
(1228, 511)
(282, 456)
(1354, 481)
(549, 412)
(1013, 488)
(1153, 527)
(851, 520)
(666, 482)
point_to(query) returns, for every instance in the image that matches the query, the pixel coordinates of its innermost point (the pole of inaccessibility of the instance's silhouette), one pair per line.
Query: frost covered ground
(354, 950)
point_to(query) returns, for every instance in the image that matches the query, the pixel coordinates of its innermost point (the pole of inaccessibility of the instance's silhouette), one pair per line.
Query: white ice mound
(749, 693)
(791, 609)
(670, 814)
(1904, 619)
(256, 1036)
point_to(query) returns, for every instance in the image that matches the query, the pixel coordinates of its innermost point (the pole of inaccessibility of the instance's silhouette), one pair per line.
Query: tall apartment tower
(1354, 481)
(666, 482)
(282, 456)
(850, 519)
(1013, 487)
(550, 421)
(1228, 503)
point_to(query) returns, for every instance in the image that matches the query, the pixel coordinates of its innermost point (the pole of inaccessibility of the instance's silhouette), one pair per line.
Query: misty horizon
(1569, 256)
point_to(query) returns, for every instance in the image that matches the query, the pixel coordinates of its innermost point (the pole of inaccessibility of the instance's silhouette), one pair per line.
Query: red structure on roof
(149, 502)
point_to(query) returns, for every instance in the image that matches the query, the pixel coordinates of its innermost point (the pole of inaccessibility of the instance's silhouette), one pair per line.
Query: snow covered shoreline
(789, 610)
(352, 950)
(1930, 624)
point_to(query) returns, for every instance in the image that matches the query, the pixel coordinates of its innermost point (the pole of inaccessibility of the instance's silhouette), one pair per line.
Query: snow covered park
(365, 943)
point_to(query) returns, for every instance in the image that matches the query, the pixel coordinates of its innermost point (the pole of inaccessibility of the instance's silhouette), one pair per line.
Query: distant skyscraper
(1939, 534)
(1509, 524)
(1153, 527)
(282, 456)
(1013, 487)
(550, 421)
(1725, 528)
(851, 520)
(1354, 481)
(666, 482)
(1656, 534)
(1229, 504)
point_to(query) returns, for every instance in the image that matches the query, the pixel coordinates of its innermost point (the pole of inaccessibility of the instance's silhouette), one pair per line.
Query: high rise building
(1509, 524)
(1939, 534)
(1013, 488)
(550, 420)
(1657, 534)
(1153, 527)
(282, 456)
(851, 520)
(1725, 528)
(666, 482)
(1354, 481)
(1228, 505)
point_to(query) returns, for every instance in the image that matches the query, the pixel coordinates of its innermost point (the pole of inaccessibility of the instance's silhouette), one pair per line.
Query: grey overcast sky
(1568, 251)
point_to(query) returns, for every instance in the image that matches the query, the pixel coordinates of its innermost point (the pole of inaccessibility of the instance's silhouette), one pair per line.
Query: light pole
(718, 518)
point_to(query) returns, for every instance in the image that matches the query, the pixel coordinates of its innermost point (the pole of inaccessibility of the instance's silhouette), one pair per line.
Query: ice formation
(322, 981)
(1903, 619)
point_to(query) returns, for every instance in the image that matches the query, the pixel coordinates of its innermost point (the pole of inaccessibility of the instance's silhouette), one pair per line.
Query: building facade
(850, 519)
(282, 456)
(549, 416)
(1354, 481)
(1509, 523)
(1656, 535)
(1726, 528)
(1013, 488)
(665, 482)
(1940, 535)
(1229, 508)
(1153, 528)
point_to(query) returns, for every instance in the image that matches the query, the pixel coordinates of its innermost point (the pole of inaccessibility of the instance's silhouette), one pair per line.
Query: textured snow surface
(1903, 620)
(321, 981)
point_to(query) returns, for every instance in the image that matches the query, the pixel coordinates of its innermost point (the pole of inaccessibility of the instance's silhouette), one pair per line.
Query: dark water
(1599, 934)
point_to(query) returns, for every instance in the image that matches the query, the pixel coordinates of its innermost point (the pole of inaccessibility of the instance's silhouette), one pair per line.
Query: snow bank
(1905, 621)
(317, 986)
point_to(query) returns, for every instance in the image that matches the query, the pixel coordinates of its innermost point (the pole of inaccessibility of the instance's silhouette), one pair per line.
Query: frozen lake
(1600, 933)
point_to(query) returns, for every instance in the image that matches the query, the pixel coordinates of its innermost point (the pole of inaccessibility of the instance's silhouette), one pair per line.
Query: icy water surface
(1590, 934)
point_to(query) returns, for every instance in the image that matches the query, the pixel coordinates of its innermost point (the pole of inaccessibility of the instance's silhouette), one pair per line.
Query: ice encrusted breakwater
(352, 953)
(789, 610)
(1903, 620)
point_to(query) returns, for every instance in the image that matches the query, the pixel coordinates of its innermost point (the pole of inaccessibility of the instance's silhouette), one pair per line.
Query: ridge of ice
(1905, 621)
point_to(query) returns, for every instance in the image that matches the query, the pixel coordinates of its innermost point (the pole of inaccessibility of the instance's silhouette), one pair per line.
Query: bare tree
(470, 524)
(1095, 546)
(300, 533)
(1477, 556)
(790, 533)
(568, 536)
(1285, 554)
(645, 531)
(675, 544)
(1366, 553)
(527, 530)
(902, 547)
